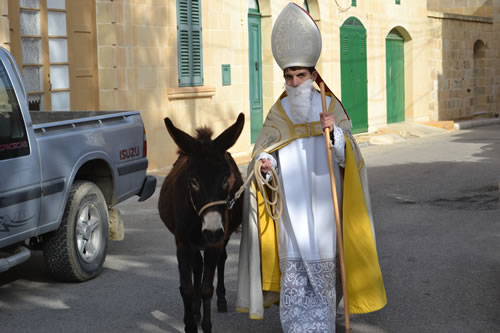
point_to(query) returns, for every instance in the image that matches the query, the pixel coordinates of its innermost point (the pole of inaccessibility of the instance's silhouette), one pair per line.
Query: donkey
(193, 204)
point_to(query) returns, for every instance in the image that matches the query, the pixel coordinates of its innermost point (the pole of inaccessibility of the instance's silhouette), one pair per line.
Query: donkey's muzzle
(213, 236)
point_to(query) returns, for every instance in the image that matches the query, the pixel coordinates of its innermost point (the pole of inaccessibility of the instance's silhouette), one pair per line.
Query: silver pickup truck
(61, 174)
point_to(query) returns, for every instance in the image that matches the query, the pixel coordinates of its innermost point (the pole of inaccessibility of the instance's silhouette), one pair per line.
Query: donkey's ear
(228, 138)
(185, 142)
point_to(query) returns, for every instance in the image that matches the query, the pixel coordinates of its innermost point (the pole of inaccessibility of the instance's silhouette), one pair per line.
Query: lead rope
(273, 185)
(276, 202)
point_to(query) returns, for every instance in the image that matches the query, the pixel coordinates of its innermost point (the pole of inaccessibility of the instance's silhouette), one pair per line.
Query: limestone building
(201, 62)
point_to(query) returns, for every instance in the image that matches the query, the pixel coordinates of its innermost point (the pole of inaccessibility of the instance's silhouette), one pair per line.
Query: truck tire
(76, 251)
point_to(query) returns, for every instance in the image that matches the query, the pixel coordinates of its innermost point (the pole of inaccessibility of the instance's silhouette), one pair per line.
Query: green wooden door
(255, 67)
(353, 73)
(394, 49)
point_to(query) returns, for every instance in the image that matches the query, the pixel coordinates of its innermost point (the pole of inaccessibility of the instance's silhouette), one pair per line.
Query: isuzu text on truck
(61, 173)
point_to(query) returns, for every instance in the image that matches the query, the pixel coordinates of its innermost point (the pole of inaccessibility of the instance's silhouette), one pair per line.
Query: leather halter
(228, 203)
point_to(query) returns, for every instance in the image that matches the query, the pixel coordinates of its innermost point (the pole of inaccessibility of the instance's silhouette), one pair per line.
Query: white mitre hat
(295, 40)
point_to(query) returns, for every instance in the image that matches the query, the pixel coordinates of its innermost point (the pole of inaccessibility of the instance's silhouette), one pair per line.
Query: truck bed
(43, 117)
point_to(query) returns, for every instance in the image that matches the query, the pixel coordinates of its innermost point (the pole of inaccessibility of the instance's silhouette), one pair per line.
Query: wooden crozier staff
(340, 243)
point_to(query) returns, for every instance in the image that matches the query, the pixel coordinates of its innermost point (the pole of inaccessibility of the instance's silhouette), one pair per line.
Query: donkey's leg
(197, 274)
(221, 289)
(184, 260)
(211, 257)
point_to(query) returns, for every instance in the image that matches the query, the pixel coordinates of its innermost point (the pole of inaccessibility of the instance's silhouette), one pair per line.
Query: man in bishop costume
(292, 261)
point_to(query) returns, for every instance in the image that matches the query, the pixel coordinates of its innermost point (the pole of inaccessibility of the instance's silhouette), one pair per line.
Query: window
(58, 55)
(44, 53)
(353, 3)
(398, 2)
(13, 138)
(189, 43)
(54, 43)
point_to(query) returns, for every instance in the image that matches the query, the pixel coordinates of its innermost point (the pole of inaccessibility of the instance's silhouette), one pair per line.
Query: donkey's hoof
(206, 327)
(222, 306)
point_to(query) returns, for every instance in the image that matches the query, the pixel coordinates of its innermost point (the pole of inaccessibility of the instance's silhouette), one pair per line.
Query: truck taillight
(145, 146)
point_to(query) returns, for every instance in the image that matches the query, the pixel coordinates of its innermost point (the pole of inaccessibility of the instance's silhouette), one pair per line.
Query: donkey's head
(207, 177)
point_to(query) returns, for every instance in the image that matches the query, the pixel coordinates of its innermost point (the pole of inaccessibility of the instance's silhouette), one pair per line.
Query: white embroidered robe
(307, 231)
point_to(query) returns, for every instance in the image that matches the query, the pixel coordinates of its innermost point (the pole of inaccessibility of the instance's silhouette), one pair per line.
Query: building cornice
(459, 17)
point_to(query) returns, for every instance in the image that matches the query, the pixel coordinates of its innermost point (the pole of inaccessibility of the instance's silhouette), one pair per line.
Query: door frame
(255, 87)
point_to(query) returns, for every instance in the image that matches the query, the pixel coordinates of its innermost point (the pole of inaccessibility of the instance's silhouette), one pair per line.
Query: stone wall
(464, 65)
(463, 7)
(137, 45)
(132, 42)
(4, 25)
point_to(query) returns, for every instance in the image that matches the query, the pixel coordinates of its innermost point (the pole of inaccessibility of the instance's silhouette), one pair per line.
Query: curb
(475, 123)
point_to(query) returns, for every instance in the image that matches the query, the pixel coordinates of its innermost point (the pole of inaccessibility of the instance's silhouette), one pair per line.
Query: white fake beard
(300, 99)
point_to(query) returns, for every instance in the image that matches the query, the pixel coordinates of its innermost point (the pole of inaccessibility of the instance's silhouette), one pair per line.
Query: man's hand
(327, 120)
(266, 165)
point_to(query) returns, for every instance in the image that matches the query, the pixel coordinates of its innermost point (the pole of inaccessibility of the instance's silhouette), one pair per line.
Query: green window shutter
(183, 49)
(189, 43)
(197, 63)
(353, 3)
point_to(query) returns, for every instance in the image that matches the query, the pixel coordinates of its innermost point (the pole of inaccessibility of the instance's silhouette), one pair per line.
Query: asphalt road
(437, 215)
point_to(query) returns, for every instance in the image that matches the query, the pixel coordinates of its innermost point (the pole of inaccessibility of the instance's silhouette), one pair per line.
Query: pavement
(401, 132)
(385, 135)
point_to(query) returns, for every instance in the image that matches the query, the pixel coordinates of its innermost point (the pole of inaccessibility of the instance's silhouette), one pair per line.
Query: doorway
(395, 76)
(353, 70)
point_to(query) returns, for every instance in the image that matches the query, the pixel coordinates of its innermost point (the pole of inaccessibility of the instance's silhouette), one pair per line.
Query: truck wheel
(76, 251)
